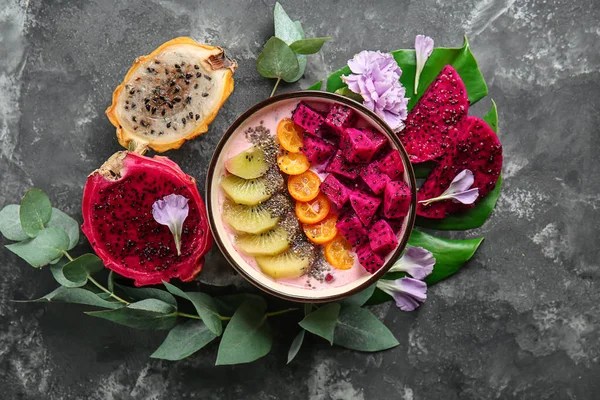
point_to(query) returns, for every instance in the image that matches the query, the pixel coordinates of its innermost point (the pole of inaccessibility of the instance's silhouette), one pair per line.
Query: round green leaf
(308, 46)
(10, 223)
(277, 60)
(205, 306)
(48, 245)
(184, 340)
(289, 31)
(76, 272)
(62, 221)
(322, 321)
(35, 212)
(359, 329)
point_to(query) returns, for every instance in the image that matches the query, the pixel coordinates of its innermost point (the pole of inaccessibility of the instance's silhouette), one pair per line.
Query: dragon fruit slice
(369, 259)
(396, 200)
(339, 118)
(317, 150)
(432, 124)
(339, 166)
(382, 238)
(118, 221)
(335, 190)
(357, 147)
(364, 205)
(477, 149)
(374, 177)
(392, 165)
(310, 120)
(352, 229)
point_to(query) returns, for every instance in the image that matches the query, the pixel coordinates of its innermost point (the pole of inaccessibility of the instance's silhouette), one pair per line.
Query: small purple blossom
(172, 210)
(408, 293)
(459, 191)
(423, 49)
(376, 77)
(416, 261)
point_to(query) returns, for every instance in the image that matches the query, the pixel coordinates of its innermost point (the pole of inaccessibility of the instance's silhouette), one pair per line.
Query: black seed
(176, 99)
(187, 81)
(132, 91)
(147, 107)
(177, 66)
(197, 117)
(204, 94)
(188, 76)
(172, 83)
(132, 106)
(196, 67)
(183, 121)
(163, 112)
(134, 119)
(191, 115)
(168, 125)
(196, 86)
(153, 110)
(188, 99)
(198, 74)
(208, 77)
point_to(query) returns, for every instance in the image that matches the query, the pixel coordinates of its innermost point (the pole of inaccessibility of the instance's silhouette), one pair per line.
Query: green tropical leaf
(48, 245)
(308, 46)
(358, 329)
(247, 336)
(145, 314)
(359, 298)
(289, 31)
(10, 223)
(76, 296)
(62, 221)
(315, 86)
(138, 294)
(35, 212)
(322, 321)
(77, 272)
(295, 347)
(184, 340)
(349, 94)
(205, 306)
(277, 60)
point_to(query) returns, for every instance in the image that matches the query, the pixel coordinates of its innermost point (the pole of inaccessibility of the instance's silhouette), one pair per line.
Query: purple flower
(459, 190)
(423, 49)
(408, 293)
(172, 210)
(416, 261)
(376, 77)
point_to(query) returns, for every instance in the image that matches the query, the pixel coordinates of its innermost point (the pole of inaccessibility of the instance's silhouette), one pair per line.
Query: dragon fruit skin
(335, 191)
(374, 177)
(364, 205)
(382, 238)
(339, 166)
(117, 219)
(317, 150)
(309, 119)
(396, 200)
(339, 118)
(477, 149)
(432, 124)
(357, 147)
(352, 229)
(370, 260)
(392, 165)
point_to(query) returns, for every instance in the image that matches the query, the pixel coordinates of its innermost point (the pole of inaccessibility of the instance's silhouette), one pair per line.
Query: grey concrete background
(520, 322)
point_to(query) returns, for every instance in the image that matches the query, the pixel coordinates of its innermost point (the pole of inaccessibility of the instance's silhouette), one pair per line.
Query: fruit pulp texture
(270, 117)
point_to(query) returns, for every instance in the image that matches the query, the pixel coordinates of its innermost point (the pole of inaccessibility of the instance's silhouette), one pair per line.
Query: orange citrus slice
(322, 232)
(289, 135)
(337, 253)
(292, 163)
(311, 212)
(304, 187)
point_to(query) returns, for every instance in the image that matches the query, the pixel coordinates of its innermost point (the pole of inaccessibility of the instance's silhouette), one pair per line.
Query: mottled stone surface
(522, 321)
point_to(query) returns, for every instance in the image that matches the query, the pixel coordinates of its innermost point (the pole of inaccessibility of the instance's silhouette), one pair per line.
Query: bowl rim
(316, 95)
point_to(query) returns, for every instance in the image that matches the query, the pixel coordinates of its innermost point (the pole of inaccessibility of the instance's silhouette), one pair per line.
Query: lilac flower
(408, 293)
(423, 49)
(172, 210)
(376, 77)
(416, 261)
(459, 191)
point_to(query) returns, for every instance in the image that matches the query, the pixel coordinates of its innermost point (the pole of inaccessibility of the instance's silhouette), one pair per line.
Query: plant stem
(181, 314)
(275, 88)
(275, 313)
(223, 318)
(68, 255)
(105, 290)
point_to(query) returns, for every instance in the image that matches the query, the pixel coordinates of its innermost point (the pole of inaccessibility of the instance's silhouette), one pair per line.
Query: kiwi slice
(248, 164)
(290, 264)
(245, 191)
(250, 219)
(268, 243)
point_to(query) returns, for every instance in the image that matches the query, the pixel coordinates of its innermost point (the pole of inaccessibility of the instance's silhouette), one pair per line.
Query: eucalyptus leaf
(349, 94)
(77, 296)
(35, 212)
(359, 298)
(62, 221)
(358, 329)
(10, 223)
(247, 336)
(138, 294)
(308, 307)
(229, 303)
(476, 216)
(295, 347)
(184, 340)
(450, 255)
(49, 244)
(322, 321)
(277, 60)
(308, 46)
(111, 281)
(460, 58)
(76, 272)
(144, 314)
(289, 31)
(205, 306)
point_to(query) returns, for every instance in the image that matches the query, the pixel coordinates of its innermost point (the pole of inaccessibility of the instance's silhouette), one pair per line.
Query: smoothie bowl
(310, 196)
